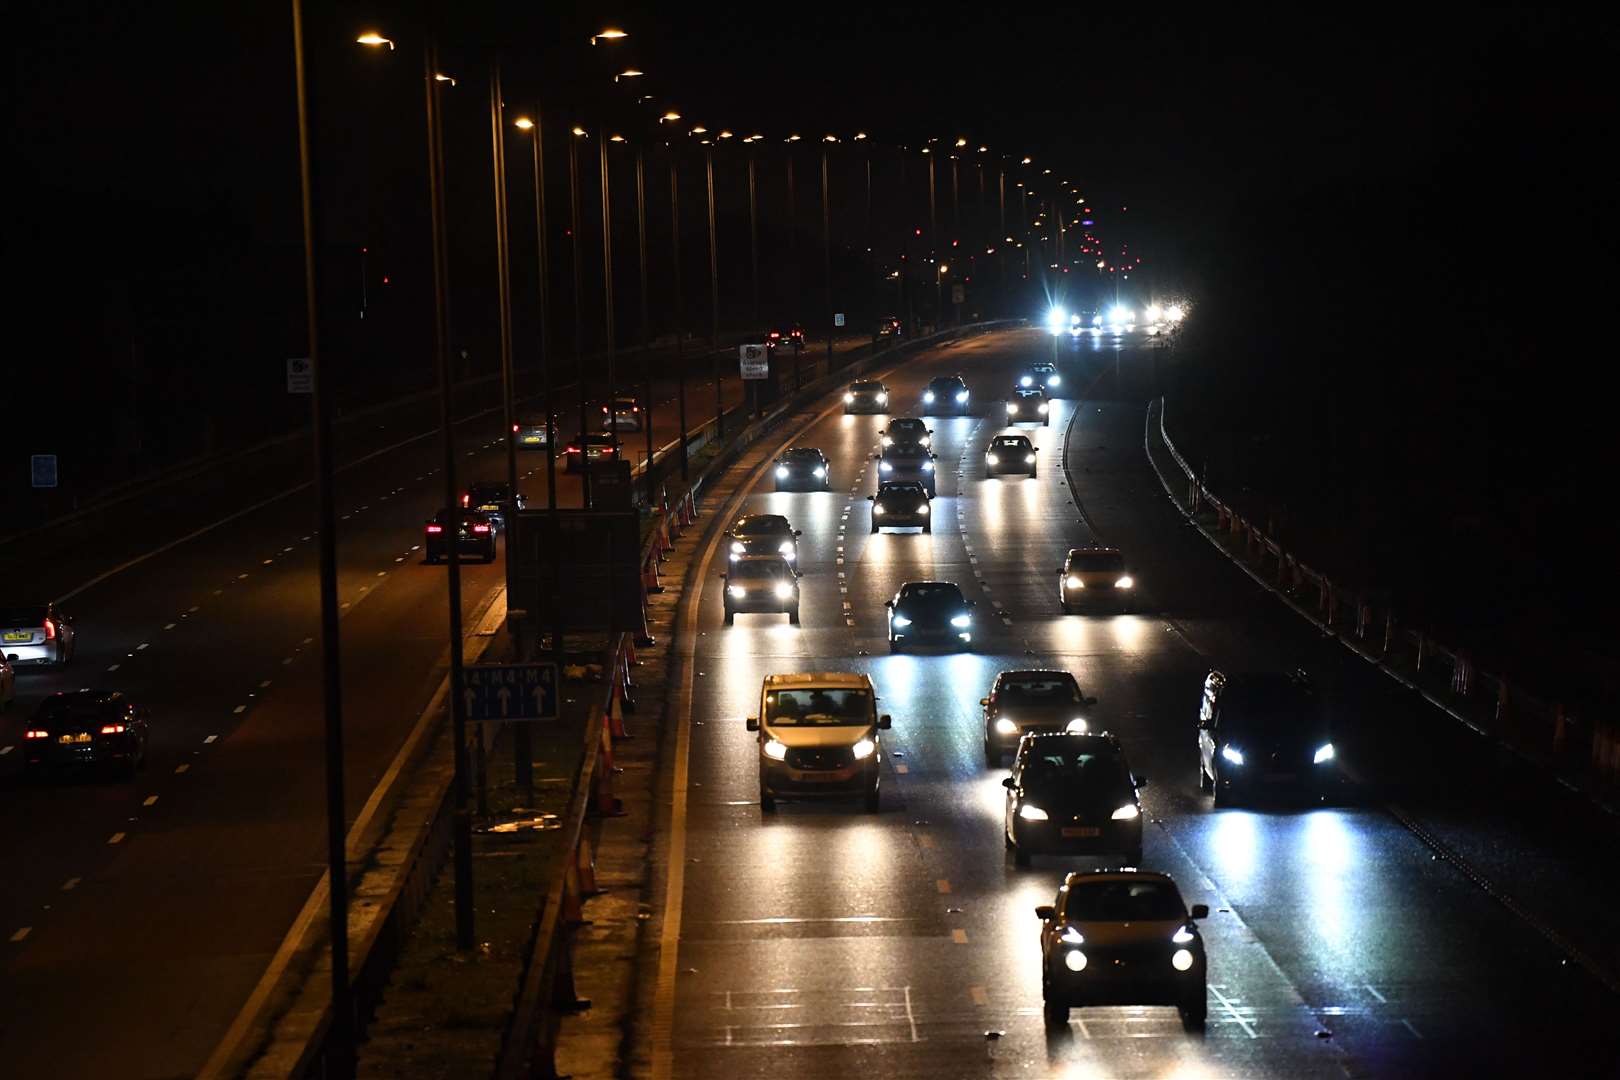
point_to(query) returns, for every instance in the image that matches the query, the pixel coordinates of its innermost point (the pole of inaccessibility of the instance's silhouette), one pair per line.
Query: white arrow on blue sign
(510, 691)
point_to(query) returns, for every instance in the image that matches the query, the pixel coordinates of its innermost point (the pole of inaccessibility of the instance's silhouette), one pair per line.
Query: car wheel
(992, 755)
(1032, 474)
(928, 528)
(1134, 858)
(1067, 610)
(793, 617)
(1054, 1014)
(1223, 794)
(767, 802)
(894, 646)
(1021, 855)
(731, 617)
(874, 799)
(874, 528)
(1195, 1011)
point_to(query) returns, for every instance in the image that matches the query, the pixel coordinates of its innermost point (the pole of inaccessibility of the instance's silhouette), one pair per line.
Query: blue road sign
(511, 691)
(43, 469)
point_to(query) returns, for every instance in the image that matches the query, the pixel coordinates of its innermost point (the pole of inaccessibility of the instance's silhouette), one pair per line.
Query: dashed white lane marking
(219, 592)
(309, 641)
(400, 559)
(305, 539)
(179, 769)
(1382, 1000)
(416, 547)
(849, 622)
(70, 884)
(114, 667)
(382, 573)
(193, 609)
(142, 645)
(150, 800)
(115, 838)
(21, 933)
(171, 626)
(210, 739)
(4, 750)
(844, 589)
(287, 661)
(265, 685)
(959, 936)
(1408, 1025)
(240, 709)
(267, 562)
(285, 550)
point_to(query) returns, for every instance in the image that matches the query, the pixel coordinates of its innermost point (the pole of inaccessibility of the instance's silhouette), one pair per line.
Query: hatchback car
(1122, 937)
(761, 584)
(489, 497)
(889, 327)
(36, 635)
(589, 449)
(803, 468)
(1072, 794)
(1095, 577)
(820, 736)
(626, 414)
(907, 462)
(1263, 730)
(907, 431)
(475, 535)
(866, 396)
(946, 394)
(1022, 702)
(1028, 407)
(763, 534)
(790, 338)
(532, 432)
(1042, 376)
(86, 729)
(924, 611)
(901, 504)
(1010, 454)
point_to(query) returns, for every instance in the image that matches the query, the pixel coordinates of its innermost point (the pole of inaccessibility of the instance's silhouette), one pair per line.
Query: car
(8, 683)
(929, 611)
(475, 531)
(1028, 406)
(889, 326)
(948, 393)
(820, 736)
(763, 534)
(907, 461)
(1263, 730)
(1095, 576)
(866, 396)
(589, 449)
(1043, 375)
(901, 504)
(793, 338)
(1010, 454)
(1037, 700)
(1122, 937)
(533, 433)
(800, 468)
(761, 583)
(626, 414)
(489, 497)
(86, 729)
(37, 635)
(1072, 794)
(907, 431)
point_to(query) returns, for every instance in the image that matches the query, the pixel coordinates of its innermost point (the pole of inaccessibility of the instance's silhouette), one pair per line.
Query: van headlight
(1073, 582)
(776, 751)
(1232, 754)
(1026, 381)
(991, 459)
(1125, 582)
(820, 473)
(929, 397)
(863, 749)
(781, 472)
(961, 621)
(1031, 812)
(737, 590)
(1323, 753)
(1005, 726)
(783, 590)
(961, 396)
(1125, 813)
(848, 398)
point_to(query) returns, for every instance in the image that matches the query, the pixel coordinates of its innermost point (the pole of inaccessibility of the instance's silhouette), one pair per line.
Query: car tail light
(465, 499)
(572, 450)
(112, 729)
(50, 629)
(607, 449)
(635, 408)
(36, 733)
(480, 528)
(435, 529)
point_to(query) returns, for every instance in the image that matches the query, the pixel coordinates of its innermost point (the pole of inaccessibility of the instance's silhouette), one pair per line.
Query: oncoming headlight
(960, 621)
(1041, 408)
(923, 509)
(1029, 459)
(781, 472)
(783, 590)
(1031, 812)
(1323, 753)
(901, 620)
(1012, 407)
(961, 396)
(1077, 726)
(820, 473)
(1005, 726)
(929, 397)
(877, 509)
(992, 459)
(1181, 959)
(1054, 380)
(1232, 754)
(882, 399)
(1074, 960)
(884, 466)
(928, 466)
(737, 590)
(737, 547)
(1073, 582)
(863, 749)
(848, 398)
(1125, 813)
(786, 548)
(1125, 582)
(1026, 381)
(775, 750)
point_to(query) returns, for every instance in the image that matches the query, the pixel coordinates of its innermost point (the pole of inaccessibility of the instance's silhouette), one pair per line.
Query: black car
(802, 468)
(1022, 702)
(1095, 577)
(1042, 376)
(792, 338)
(866, 396)
(929, 611)
(946, 394)
(901, 504)
(1010, 454)
(1263, 730)
(589, 449)
(908, 461)
(86, 729)
(889, 326)
(763, 534)
(1073, 795)
(761, 583)
(1122, 937)
(907, 431)
(489, 497)
(1028, 407)
(475, 531)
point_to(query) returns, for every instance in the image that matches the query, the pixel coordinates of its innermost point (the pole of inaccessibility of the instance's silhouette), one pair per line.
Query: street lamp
(371, 37)
(610, 34)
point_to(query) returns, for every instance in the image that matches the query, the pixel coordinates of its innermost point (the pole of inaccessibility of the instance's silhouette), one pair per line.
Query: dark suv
(1073, 795)
(946, 394)
(1260, 730)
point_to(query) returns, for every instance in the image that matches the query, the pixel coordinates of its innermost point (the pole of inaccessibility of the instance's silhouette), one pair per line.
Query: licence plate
(531, 438)
(69, 740)
(490, 508)
(1082, 830)
(1281, 777)
(19, 635)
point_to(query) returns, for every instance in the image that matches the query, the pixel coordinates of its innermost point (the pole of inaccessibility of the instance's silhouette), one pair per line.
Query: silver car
(907, 463)
(36, 635)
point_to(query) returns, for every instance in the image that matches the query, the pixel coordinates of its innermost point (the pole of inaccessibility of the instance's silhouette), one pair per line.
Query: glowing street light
(615, 138)
(793, 138)
(669, 117)
(628, 73)
(523, 123)
(859, 135)
(581, 132)
(610, 34)
(371, 37)
(961, 143)
(439, 76)
(699, 130)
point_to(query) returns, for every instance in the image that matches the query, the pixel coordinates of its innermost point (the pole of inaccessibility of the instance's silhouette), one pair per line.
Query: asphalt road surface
(826, 941)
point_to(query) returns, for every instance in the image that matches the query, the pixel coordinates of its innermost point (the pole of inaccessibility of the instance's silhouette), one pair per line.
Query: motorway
(823, 941)
(137, 915)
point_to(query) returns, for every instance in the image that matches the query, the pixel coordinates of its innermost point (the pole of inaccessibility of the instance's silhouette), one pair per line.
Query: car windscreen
(1009, 444)
(945, 383)
(761, 526)
(754, 570)
(1091, 766)
(803, 457)
(932, 596)
(1124, 901)
(907, 490)
(22, 616)
(1040, 690)
(867, 387)
(818, 707)
(1270, 708)
(907, 427)
(1105, 562)
(486, 492)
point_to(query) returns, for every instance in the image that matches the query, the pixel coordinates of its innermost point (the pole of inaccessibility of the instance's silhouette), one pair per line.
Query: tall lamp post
(523, 759)
(533, 127)
(579, 133)
(826, 244)
(673, 117)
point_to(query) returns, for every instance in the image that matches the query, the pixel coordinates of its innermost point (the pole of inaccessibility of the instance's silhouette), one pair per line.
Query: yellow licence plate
(69, 740)
(487, 507)
(19, 635)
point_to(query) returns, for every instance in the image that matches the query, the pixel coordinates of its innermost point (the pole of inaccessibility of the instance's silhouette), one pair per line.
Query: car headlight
(887, 441)
(1041, 408)
(774, 750)
(901, 620)
(1125, 582)
(1054, 380)
(786, 548)
(929, 397)
(737, 547)
(927, 441)
(991, 459)
(1125, 813)
(1181, 959)
(923, 509)
(1012, 407)
(960, 621)
(1026, 381)
(1182, 936)
(1072, 936)
(1029, 459)
(928, 466)
(1073, 582)
(819, 473)
(863, 749)
(1031, 812)
(1074, 960)
(1005, 726)
(882, 399)
(884, 466)
(848, 398)
(961, 396)
(737, 590)
(1323, 753)
(783, 590)
(877, 509)
(1077, 726)
(781, 472)
(1232, 754)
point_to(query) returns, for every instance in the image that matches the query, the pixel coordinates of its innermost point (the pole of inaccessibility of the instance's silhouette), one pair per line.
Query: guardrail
(1584, 753)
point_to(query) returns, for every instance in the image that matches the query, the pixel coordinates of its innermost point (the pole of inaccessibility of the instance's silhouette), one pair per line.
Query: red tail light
(572, 450)
(50, 629)
(435, 529)
(465, 499)
(35, 733)
(607, 449)
(112, 729)
(480, 528)
(635, 408)
(514, 429)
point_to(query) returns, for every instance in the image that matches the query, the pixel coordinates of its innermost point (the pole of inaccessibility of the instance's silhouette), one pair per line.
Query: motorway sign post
(510, 691)
(42, 468)
(838, 319)
(753, 362)
(300, 376)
